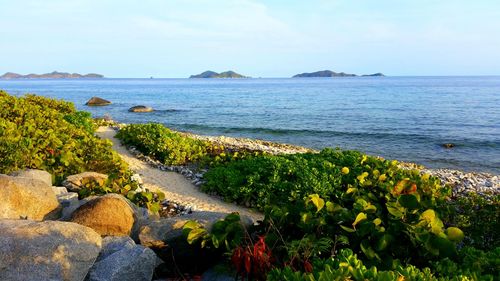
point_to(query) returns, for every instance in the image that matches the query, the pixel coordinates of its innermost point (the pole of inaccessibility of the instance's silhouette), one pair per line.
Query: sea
(403, 118)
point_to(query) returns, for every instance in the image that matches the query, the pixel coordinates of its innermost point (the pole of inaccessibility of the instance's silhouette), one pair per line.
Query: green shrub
(47, 134)
(478, 217)
(161, 143)
(336, 199)
(347, 266)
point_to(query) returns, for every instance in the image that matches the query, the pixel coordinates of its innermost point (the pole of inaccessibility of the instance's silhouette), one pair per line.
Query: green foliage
(471, 262)
(347, 266)
(478, 217)
(47, 134)
(228, 232)
(163, 144)
(81, 119)
(172, 148)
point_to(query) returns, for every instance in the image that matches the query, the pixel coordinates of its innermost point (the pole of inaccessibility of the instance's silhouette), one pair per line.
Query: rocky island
(52, 75)
(329, 73)
(213, 74)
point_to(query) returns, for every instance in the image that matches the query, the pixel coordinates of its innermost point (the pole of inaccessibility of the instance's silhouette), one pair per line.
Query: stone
(27, 198)
(49, 250)
(34, 174)
(97, 101)
(158, 233)
(110, 214)
(141, 108)
(112, 244)
(130, 263)
(74, 182)
(59, 190)
(448, 145)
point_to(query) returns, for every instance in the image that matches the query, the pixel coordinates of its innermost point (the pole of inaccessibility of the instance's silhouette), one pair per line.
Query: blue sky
(176, 38)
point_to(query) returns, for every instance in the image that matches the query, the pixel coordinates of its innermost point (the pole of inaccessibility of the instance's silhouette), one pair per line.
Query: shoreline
(461, 182)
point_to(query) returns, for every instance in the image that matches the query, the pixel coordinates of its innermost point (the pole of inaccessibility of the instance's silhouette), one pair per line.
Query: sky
(274, 38)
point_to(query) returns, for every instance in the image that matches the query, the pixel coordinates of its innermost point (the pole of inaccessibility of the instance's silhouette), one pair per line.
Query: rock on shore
(27, 198)
(49, 250)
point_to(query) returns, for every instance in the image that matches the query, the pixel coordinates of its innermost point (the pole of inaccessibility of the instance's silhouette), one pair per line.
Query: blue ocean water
(404, 118)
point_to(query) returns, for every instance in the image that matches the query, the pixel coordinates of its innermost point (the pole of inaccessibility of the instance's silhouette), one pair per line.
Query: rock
(97, 101)
(141, 108)
(123, 260)
(29, 198)
(448, 145)
(74, 182)
(59, 190)
(67, 199)
(110, 214)
(34, 174)
(112, 244)
(49, 250)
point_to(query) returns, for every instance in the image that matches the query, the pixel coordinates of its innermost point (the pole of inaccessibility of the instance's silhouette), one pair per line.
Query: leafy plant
(47, 134)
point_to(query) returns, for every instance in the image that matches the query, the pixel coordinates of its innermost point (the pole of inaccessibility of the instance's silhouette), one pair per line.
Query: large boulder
(97, 101)
(141, 108)
(34, 174)
(49, 250)
(75, 182)
(122, 260)
(110, 214)
(27, 198)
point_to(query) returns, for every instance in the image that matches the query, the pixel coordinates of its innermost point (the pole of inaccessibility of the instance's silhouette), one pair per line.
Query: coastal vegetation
(51, 135)
(328, 215)
(334, 214)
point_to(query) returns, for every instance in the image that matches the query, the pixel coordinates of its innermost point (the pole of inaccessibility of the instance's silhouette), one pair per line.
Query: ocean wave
(376, 136)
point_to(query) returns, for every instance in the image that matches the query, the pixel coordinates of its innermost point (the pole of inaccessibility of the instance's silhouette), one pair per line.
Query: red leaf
(248, 262)
(308, 266)
(237, 258)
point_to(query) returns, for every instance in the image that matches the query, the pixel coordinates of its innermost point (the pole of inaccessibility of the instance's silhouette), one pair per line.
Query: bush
(173, 148)
(47, 134)
(317, 204)
(478, 217)
(161, 143)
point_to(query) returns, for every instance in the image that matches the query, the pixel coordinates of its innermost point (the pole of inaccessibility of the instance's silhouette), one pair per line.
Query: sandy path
(174, 185)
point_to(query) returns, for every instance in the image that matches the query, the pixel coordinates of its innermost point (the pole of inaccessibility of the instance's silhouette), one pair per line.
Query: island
(213, 74)
(378, 74)
(52, 75)
(329, 73)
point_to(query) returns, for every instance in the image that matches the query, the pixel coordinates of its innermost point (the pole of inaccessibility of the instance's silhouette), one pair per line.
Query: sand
(174, 185)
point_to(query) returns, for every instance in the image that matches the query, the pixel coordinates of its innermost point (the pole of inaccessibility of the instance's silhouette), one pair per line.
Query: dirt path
(174, 185)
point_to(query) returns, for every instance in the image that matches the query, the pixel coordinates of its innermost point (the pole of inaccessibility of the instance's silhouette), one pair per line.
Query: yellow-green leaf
(317, 201)
(330, 207)
(360, 217)
(195, 234)
(348, 229)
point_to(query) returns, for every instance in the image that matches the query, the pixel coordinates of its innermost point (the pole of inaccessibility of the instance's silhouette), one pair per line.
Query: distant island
(52, 75)
(213, 74)
(329, 73)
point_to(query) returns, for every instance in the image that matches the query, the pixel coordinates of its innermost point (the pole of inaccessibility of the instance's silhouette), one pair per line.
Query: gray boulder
(75, 182)
(97, 101)
(141, 108)
(27, 198)
(123, 260)
(49, 250)
(34, 174)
